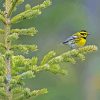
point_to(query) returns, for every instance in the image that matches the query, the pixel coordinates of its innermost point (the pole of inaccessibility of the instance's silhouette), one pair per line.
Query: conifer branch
(31, 12)
(45, 4)
(2, 48)
(3, 93)
(1, 12)
(30, 31)
(53, 65)
(13, 5)
(2, 18)
(47, 57)
(24, 48)
(73, 54)
(25, 15)
(8, 4)
(26, 93)
(12, 37)
(1, 31)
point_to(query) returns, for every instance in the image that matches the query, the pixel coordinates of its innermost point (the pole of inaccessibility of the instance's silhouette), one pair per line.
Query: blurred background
(54, 25)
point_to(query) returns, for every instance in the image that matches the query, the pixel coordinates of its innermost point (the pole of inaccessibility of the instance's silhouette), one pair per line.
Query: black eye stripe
(83, 33)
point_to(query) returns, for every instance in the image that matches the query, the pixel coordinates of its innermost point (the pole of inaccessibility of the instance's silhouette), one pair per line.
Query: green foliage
(27, 7)
(32, 12)
(47, 57)
(24, 48)
(15, 68)
(1, 31)
(30, 31)
(25, 93)
(2, 18)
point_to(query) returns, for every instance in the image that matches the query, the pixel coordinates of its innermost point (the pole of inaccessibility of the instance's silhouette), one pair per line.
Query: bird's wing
(70, 38)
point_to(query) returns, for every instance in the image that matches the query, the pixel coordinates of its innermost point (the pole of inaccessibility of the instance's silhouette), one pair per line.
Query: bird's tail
(65, 42)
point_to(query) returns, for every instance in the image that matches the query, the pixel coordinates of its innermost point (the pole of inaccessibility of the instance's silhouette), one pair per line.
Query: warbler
(77, 40)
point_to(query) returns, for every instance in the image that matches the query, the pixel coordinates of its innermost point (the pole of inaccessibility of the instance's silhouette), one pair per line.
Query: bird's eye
(82, 33)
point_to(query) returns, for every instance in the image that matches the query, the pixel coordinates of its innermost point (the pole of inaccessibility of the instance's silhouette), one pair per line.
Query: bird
(77, 40)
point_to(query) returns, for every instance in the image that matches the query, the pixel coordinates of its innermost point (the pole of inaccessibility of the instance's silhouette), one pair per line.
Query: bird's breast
(81, 42)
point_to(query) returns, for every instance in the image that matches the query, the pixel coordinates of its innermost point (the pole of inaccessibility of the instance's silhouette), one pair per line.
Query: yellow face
(83, 34)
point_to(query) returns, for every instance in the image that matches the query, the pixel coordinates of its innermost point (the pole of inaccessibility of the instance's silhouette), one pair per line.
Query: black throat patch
(84, 37)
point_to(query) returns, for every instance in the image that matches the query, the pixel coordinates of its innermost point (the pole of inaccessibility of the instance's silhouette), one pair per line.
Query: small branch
(8, 4)
(32, 12)
(24, 48)
(12, 7)
(8, 78)
(30, 31)
(8, 63)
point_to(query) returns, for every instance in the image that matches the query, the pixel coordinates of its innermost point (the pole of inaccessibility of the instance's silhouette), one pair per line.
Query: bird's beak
(89, 33)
